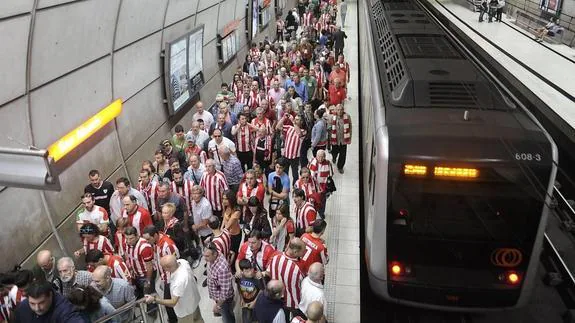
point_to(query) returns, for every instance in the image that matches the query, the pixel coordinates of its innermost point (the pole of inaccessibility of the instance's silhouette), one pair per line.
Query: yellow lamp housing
(74, 138)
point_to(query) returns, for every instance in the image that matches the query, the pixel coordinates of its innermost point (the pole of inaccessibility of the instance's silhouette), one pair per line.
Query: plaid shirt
(233, 170)
(82, 278)
(220, 280)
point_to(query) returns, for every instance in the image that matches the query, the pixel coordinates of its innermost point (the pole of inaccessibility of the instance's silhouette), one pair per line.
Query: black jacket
(61, 310)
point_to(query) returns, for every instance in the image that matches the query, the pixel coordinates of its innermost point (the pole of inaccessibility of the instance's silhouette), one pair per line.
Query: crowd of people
(245, 188)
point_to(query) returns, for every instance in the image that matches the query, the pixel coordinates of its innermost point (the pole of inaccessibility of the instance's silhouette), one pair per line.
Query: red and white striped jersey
(255, 52)
(307, 19)
(262, 257)
(137, 257)
(214, 185)
(320, 172)
(150, 192)
(98, 216)
(263, 123)
(103, 244)
(275, 95)
(253, 100)
(223, 242)
(286, 270)
(185, 190)
(244, 137)
(316, 251)
(9, 302)
(119, 268)
(120, 243)
(245, 99)
(268, 80)
(292, 142)
(309, 188)
(305, 215)
(164, 246)
(139, 219)
(247, 191)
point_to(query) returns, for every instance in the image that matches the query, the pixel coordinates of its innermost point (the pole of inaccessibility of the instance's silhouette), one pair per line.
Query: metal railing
(139, 315)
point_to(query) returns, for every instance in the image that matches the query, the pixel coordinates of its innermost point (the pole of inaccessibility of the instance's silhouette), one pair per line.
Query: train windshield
(465, 211)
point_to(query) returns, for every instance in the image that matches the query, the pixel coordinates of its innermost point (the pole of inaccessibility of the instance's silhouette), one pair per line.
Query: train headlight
(510, 277)
(396, 269)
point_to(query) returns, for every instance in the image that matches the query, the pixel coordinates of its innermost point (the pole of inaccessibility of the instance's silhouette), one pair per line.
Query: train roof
(420, 67)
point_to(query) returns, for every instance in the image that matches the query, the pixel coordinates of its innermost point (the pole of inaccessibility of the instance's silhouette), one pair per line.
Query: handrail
(565, 201)
(129, 307)
(559, 263)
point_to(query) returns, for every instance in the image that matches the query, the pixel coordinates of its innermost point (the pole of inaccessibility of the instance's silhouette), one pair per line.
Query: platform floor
(342, 281)
(557, 69)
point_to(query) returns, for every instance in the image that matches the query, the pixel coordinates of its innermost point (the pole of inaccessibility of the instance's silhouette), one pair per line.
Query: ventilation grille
(420, 46)
(452, 95)
(393, 65)
(399, 6)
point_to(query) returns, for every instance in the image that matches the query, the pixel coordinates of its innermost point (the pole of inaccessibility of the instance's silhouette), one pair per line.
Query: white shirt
(183, 285)
(206, 116)
(310, 292)
(225, 142)
(200, 138)
(202, 211)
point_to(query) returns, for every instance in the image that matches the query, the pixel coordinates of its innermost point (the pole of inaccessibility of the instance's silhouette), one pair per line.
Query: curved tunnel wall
(64, 60)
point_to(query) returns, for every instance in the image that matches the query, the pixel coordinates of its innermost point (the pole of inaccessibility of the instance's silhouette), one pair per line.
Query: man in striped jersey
(316, 250)
(163, 246)
(214, 183)
(138, 216)
(293, 136)
(243, 133)
(321, 169)
(139, 257)
(118, 267)
(304, 212)
(221, 238)
(284, 267)
(92, 239)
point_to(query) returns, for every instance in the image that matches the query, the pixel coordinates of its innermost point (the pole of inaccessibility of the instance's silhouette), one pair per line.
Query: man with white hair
(282, 77)
(71, 277)
(314, 313)
(197, 135)
(312, 287)
(217, 144)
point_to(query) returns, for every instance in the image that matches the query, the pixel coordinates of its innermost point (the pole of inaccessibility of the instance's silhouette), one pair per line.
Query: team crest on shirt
(105, 191)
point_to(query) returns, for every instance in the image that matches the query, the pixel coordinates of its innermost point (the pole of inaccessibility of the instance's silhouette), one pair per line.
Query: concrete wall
(64, 60)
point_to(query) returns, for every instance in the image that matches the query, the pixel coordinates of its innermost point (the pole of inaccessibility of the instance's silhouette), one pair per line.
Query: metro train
(457, 175)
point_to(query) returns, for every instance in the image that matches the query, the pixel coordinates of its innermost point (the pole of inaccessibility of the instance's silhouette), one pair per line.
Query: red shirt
(164, 246)
(139, 219)
(286, 270)
(103, 244)
(246, 191)
(119, 268)
(137, 256)
(214, 185)
(316, 251)
(305, 215)
(336, 95)
(261, 258)
(244, 138)
(223, 242)
(292, 143)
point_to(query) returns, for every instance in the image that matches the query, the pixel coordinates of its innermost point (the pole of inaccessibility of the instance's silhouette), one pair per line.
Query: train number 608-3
(528, 156)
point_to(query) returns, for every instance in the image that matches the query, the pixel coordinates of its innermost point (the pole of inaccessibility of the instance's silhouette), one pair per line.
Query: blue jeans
(227, 311)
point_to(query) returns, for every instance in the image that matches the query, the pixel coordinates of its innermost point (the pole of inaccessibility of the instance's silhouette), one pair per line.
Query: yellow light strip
(71, 140)
(456, 172)
(414, 170)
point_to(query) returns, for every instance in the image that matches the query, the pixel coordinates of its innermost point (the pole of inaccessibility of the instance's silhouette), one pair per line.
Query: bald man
(185, 297)
(315, 312)
(45, 268)
(312, 287)
(117, 290)
(269, 305)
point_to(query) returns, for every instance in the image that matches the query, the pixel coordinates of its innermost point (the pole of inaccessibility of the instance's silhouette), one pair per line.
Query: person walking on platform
(342, 12)
(499, 14)
(492, 9)
(483, 9)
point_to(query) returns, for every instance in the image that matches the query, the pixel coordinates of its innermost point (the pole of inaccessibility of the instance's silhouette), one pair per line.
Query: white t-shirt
(206, 116)
(310, 292)
(202, 211)
(183, 285)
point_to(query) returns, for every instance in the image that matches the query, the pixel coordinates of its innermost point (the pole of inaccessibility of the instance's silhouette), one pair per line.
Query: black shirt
(101, 195)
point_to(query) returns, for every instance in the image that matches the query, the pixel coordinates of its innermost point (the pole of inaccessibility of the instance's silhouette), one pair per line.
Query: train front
(466, 209)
